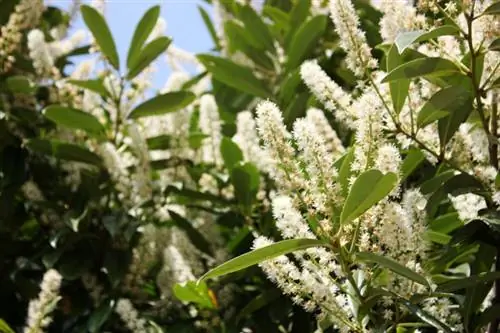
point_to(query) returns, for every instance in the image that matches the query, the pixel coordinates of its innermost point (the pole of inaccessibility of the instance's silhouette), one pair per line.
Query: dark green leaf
(446, 223)
(405, 39)
(264, 253)
(93, 85)
(413, 159)
(437, 237)
(20, 84)
(64, 151)
(433, 67)
(100, 30)
(439, 105)
(399, 89)
(305, 39)
(258, 303)
(141, 34)
(495, 45)
(425, 316)
(147, 55)
(493, 9)
(489, 315)
(231, 153)
(257, 28)
(160, 142)
(193, 292)
(161, 104)
(196, 238)
(368, 189)
(210, 26)
(471, 281)
(100, 315)
(392, 265)
(74, 119)
(245, 179)
(234, 75)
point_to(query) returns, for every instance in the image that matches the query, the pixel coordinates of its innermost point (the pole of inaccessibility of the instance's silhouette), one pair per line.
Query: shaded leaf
(399, 89)
(413, 159)
(493, 9)
(94, 85)
(100, 315)
(74, 118)
(256, 27)
(231, 153)
(64, 150)
(196, 238)
(258, 303)
(20, 84)
(405, 39)
(147, 55)
(471, 281)
(304, 40)
(141, 34)
(161, 104)
(433, 67)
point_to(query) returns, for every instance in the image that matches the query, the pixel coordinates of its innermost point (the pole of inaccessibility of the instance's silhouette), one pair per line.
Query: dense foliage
(340, 159)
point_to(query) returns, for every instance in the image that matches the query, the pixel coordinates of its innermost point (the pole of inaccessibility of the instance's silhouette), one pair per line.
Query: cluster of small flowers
(130, 316)
(26, 14)
(39, 310)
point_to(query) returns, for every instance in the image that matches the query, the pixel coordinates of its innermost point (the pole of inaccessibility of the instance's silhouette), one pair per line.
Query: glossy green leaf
(193, 292)
(100, 316)
(210, 26)
(413, 159)
(493, 9)
(399, 89)
(256, 27)
(368, 189)
(405, 39)
(141, 34)
(196, 238)
(161, 104)
(64, 150)
(20, 84)
(459, 111)
(392, 265)
(261, 254)
(434, 183)
(74, 119)
(305, 39)
(457, 284)
(5, 328)
(94, 85)
(147, 55)
(234, 75)
(433, 67)
(102, 35)
(231, 153)
(438, 106)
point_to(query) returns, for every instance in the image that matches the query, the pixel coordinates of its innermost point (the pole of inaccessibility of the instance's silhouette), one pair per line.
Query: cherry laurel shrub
(339, 157)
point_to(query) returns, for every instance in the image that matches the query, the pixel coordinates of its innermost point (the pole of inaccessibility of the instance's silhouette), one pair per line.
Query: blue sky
(184, 25)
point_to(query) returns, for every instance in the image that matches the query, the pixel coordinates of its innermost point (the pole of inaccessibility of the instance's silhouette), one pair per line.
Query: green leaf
(20, 84)
(196, 139)
(231, 153)
(400, 88)
(459, 111)
(160, 142)
(100, 30)
(433, 67)
(95, 85)
(471, 281)
(413, 159)
(234, 75)
(210, 26)
(193, 292)
(446, 223)
(246, 180)
(264, 253)
(438, 106)
(493, 9)
(196, 238)
(368, 189)
(100, 315)
(345, 171)
(258, 303)
(141, 34)
(256, 27)
(147, 55)
(392, 265)
(425, 316)
(437, 237)
(5, 328)
(75, 119)
(64, 151)
(405, 39)
(495, 45)
(305, 39)
(489, 315)
(161, 104)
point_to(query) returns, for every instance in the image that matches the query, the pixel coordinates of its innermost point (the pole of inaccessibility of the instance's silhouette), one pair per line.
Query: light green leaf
(436, 237)
(257, 28)
(93, 85)
(160, 142)
(141, 34)
(368, 189)
(493, 9)
(392, 265)
(147, 55)
(161, 104)
(413, 159)
(405, 39)
(64, 150)
(231, 153)
(75, 119)
(433, 67)
(305, 39)
(100, 30)
(234, 75)
(193, 292)
(264, 253)
(20, 84)
(471, 281)
(399, 89)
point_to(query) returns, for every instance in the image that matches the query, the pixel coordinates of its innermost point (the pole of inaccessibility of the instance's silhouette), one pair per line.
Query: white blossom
(468, 205)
